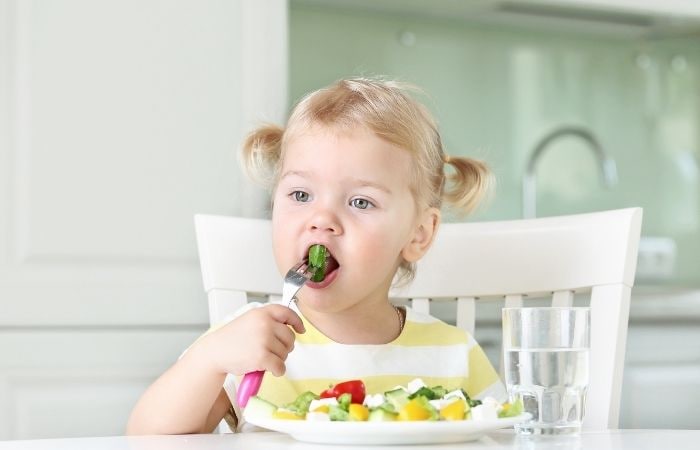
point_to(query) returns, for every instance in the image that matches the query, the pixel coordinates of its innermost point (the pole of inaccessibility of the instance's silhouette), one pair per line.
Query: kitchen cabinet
(663, 9)
(80, 382)
(628, 18)
(118, 122)
(661, 387)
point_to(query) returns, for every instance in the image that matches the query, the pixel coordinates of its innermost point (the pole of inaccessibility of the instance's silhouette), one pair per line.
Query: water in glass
(552, 383)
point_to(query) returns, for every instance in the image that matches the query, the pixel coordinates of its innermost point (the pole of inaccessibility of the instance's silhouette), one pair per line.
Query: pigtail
(260, 153)
(466, 185)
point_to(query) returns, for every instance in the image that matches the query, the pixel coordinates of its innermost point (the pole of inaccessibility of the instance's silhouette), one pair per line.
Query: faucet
(607, 164)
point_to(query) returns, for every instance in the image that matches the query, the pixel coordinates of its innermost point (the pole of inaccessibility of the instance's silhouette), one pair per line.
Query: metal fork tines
(294, 280)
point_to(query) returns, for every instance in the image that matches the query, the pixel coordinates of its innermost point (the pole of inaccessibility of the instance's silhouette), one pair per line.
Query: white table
(505, 439)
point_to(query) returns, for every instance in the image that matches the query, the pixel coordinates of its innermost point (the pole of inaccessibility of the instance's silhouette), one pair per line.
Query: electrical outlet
(656, 259)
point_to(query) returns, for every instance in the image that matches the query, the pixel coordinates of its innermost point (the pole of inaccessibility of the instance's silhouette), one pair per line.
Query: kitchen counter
(664, 303)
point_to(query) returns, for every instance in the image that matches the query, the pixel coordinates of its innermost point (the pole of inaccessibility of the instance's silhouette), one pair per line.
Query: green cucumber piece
(381, 415)
(260, 408)
(317, 262)
(397, 398)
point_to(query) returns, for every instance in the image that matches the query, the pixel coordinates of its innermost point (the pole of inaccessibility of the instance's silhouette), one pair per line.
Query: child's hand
(260, 339)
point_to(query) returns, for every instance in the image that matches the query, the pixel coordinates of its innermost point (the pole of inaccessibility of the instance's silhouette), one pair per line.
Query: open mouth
(321, 262)
(331, 263)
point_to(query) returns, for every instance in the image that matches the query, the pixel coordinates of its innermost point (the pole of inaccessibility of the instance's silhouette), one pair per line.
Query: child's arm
(188, 397)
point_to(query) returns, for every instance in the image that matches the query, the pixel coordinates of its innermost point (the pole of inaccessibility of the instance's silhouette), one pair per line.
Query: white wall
(118, 121)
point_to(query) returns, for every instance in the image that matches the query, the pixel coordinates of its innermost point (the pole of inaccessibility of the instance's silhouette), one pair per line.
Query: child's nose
(325, 221)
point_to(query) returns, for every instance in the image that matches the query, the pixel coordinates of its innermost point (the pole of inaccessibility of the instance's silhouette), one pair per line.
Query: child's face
(349, 192)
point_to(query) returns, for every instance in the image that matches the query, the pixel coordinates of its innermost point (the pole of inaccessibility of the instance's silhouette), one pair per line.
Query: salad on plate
(349, 402)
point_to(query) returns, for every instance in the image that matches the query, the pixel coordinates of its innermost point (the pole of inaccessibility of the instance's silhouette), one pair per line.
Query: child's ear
(423, 235)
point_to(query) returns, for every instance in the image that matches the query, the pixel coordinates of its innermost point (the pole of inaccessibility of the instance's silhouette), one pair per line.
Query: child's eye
(300, 196)
(361, 203)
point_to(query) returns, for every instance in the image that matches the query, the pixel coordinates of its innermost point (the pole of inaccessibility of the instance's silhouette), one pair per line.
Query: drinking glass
(546, 352)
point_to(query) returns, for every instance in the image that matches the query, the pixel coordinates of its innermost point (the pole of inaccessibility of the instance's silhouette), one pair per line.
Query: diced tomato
(356, 388)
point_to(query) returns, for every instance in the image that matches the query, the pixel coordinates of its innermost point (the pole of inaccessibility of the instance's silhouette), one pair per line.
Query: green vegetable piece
(424, 392)
(388, 407)
(337, 413)
(381, 415)
(260, 408)
(301, 404)
(344, 401)
(516, 408)
(319, 274)
(470, 402)
(397, 398)
(439, 391)
(317, 255)
(317, 262)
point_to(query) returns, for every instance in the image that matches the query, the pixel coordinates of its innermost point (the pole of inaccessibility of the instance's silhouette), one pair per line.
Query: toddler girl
(360, 169)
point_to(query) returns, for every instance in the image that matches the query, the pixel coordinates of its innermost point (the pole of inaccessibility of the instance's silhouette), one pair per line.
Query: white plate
(379, 433)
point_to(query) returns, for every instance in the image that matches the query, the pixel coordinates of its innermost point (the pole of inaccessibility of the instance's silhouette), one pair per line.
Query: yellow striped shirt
(428, 348)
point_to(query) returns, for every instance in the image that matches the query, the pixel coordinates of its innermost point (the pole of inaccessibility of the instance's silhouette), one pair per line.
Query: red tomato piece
(356, 388)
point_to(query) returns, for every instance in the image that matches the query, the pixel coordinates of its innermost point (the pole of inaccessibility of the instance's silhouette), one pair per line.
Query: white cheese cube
(484, 412)
(373, 400)
(415, 385)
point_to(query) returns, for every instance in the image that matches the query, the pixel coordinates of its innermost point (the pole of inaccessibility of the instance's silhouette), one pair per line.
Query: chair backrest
(593, 255)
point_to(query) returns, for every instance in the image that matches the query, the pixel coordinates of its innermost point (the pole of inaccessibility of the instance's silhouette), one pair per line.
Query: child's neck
(376, 325)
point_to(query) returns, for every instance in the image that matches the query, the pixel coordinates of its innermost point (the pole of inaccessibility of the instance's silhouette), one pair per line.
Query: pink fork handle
(249, 387)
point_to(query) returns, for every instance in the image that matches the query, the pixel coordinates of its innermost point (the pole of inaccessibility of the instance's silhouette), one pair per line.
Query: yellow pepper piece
(358, 412)
(506, 408)
(413, 410)
(454, 411)
(322, 409)
(285, 415)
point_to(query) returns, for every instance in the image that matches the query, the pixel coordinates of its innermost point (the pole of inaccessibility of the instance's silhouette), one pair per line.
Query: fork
(293, 281)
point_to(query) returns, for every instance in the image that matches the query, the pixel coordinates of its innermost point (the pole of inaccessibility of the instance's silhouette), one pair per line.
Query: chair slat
(563, 298)
(421, 305)
(511, 301)
(466, 314)
(223, 303)
(610, 306)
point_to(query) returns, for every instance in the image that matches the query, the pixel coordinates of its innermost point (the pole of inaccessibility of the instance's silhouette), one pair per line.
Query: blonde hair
(387, 109)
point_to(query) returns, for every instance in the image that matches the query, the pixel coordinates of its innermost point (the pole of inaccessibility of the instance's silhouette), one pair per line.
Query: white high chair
(592, 254)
